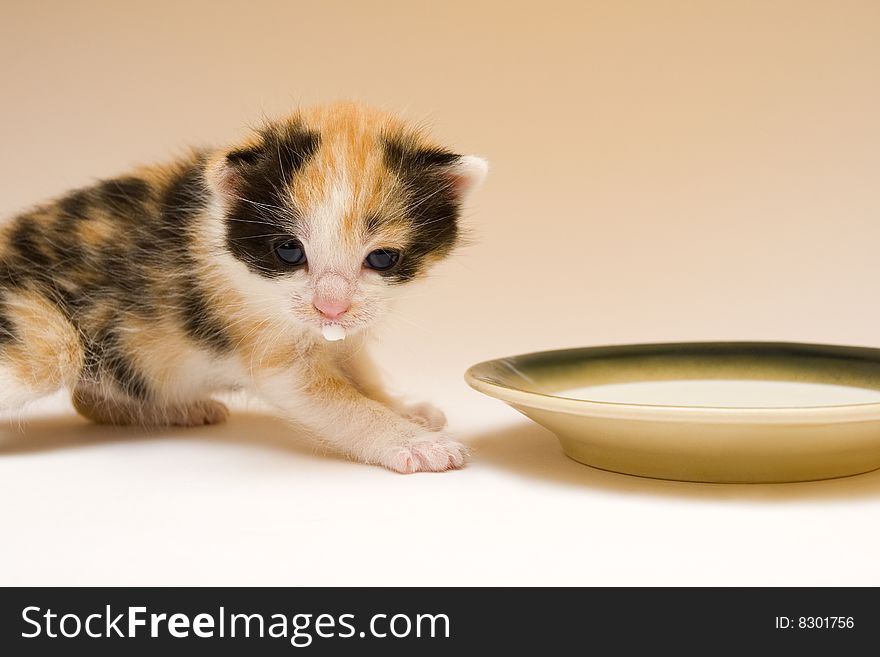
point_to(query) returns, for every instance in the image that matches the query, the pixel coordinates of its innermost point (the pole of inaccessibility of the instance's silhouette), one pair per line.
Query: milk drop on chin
(333, 332)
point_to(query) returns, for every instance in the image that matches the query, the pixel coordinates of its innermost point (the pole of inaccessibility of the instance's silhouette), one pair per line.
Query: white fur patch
(323, 240)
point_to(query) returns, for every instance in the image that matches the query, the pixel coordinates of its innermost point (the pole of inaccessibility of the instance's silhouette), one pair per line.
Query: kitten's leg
(366, 377)
(40, 350)
(121, 411)
(361, 427)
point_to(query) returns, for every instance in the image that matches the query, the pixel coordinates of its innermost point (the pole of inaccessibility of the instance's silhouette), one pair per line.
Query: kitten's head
(334, 209)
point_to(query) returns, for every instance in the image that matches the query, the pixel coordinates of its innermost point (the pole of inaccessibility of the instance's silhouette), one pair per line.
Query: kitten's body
(147, 293)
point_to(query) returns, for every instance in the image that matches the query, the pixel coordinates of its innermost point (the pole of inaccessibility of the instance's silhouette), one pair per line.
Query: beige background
(660, 171)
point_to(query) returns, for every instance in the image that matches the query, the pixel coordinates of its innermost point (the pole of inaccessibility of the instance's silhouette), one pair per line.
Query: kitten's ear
(466, 174)
(226, 170)
(243, 157)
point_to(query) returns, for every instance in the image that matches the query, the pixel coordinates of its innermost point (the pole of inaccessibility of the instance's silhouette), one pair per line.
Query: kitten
(240, 268)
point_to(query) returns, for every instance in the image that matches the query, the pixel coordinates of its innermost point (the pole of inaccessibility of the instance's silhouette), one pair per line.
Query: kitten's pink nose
(332, 308)
(332, 296)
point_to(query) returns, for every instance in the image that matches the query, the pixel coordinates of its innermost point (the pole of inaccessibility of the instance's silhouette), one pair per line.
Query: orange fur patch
(95, 232)
(351, 156)
(46, 353)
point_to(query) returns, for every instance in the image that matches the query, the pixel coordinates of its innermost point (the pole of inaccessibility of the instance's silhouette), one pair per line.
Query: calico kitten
(240, 268)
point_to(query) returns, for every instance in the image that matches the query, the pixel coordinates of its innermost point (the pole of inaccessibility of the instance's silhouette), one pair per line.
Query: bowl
(709, 411)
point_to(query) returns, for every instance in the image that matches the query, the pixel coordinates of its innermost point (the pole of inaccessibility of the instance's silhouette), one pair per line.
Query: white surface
(721, 393)
(250, 503)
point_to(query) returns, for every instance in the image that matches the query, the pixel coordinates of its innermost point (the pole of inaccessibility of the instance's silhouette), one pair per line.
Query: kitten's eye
(382, 259)
(291, 252)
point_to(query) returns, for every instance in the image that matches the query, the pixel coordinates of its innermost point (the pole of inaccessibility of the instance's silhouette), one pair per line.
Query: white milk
(725, 393)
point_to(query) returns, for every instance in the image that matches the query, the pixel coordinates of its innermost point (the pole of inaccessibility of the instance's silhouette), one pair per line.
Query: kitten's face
(334, 210)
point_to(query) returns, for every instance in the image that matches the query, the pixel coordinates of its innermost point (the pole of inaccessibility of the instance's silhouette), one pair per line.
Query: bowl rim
(476, 377)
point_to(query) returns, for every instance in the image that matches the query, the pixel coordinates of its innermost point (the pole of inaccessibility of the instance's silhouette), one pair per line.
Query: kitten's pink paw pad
(425, 414)
(430, 453)
(200, 413)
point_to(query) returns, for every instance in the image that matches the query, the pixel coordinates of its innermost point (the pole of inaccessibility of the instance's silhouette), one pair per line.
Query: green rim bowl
(690, 442)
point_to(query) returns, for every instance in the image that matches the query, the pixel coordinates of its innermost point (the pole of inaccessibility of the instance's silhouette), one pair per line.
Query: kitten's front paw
(428, 452)
(425, 414)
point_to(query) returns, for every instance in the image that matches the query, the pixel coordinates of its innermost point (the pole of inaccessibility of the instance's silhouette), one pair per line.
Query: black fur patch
(130, 381)
(106, 354)
(401, 156)
(183, 200)
(201, 322)
(15, 272)
(244, 156)
(72, 300)
(76, 205)
(30, 255)
(262, 216)
(128, 264)
(73, 208)
(432, 206)
(125, 196)
(7, 329)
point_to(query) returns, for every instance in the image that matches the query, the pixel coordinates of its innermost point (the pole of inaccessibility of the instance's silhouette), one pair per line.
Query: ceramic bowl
(713, 412)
